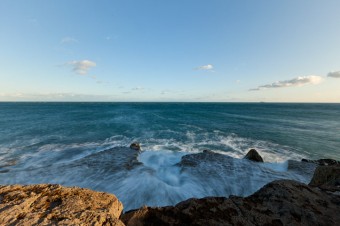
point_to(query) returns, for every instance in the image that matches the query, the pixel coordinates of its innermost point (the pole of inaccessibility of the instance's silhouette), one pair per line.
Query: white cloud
(334, 74)
(207, 67)
(67, 40)
(81, 67)
(299, 81)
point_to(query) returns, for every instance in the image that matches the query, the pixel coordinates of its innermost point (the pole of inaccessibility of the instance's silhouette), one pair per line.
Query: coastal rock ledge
(48, 204)
(281, 202)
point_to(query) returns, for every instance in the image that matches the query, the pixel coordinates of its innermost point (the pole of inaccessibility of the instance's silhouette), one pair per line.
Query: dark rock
(323, 162)
(304, 169)
(326, 176)
(253, 155)
(193, 160)
(282, 202)
(207, 151)
(109, 161)
(135, 146)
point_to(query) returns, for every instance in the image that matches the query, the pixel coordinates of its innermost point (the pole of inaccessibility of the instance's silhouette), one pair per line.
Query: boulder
(135, 146)
(282, 202)
(47, 204)
(253, 155)
(326, 176)
(323, 162)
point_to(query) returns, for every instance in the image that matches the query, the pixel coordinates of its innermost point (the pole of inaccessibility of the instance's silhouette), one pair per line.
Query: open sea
(86, 145)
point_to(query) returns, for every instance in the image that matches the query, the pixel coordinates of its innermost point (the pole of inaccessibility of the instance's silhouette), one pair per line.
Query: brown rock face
(281, 202)
(56, 205)
(253, 155)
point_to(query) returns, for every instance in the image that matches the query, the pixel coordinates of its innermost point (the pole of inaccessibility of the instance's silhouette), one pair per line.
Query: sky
(178, 50)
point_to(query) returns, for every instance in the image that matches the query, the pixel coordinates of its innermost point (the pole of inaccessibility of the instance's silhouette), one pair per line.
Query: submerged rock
(322, 162)
(109, 161)
(135, 146)
(253, 155)
(47, 204)
(282, 202)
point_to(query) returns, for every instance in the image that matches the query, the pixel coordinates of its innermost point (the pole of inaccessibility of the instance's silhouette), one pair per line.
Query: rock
(207, 151)
(135, 146)
(326, 176)
(322, 162)
(282, 202)
(305, 169)
(253, 155)
(109, 161)
(47, 204)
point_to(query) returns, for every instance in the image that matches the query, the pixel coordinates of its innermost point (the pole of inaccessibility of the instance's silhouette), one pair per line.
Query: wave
(172, 166)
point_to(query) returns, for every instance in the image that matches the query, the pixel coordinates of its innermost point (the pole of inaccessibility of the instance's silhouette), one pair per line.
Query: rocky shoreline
(281, 202)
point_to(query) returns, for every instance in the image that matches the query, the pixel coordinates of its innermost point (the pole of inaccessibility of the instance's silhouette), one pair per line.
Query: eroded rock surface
(56, 205)
(282, 202)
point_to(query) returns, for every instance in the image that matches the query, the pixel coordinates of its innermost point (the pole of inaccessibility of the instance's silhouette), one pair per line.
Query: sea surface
(86, 145)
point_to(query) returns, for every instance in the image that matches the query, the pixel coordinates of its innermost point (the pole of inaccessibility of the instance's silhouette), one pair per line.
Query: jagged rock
(282, 202)
(47, 204)
(135, 146)
(323, 162)
(253, 155)
(326, 176)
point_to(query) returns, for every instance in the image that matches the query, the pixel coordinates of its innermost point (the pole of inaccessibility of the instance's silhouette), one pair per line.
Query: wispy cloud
(81, 67)
(208, 67)
(334, 74)
(299, 81)
(138, 88)
(54, 97)
(67, 40)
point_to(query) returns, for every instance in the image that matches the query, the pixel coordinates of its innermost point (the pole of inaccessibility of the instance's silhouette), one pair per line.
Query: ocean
(86, 145)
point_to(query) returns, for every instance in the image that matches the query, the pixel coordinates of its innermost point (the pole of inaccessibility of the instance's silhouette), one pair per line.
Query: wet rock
(208, 151)
(323, 162)
(326, 177)
(193, 160)
(56, 205)
(304, 169)
(135, 146)
(282, 202)
(253, 155)
(109, 161)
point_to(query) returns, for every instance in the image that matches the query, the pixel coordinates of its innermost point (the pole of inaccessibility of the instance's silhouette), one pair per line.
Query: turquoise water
(49, 143)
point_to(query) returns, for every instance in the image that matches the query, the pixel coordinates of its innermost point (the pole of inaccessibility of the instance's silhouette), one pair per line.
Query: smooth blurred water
(38, 139)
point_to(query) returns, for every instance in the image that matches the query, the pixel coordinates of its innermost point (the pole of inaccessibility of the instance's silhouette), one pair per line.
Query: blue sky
(156, 50)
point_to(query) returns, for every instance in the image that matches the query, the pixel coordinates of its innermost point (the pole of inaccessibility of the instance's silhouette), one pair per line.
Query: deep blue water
(37, 139)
